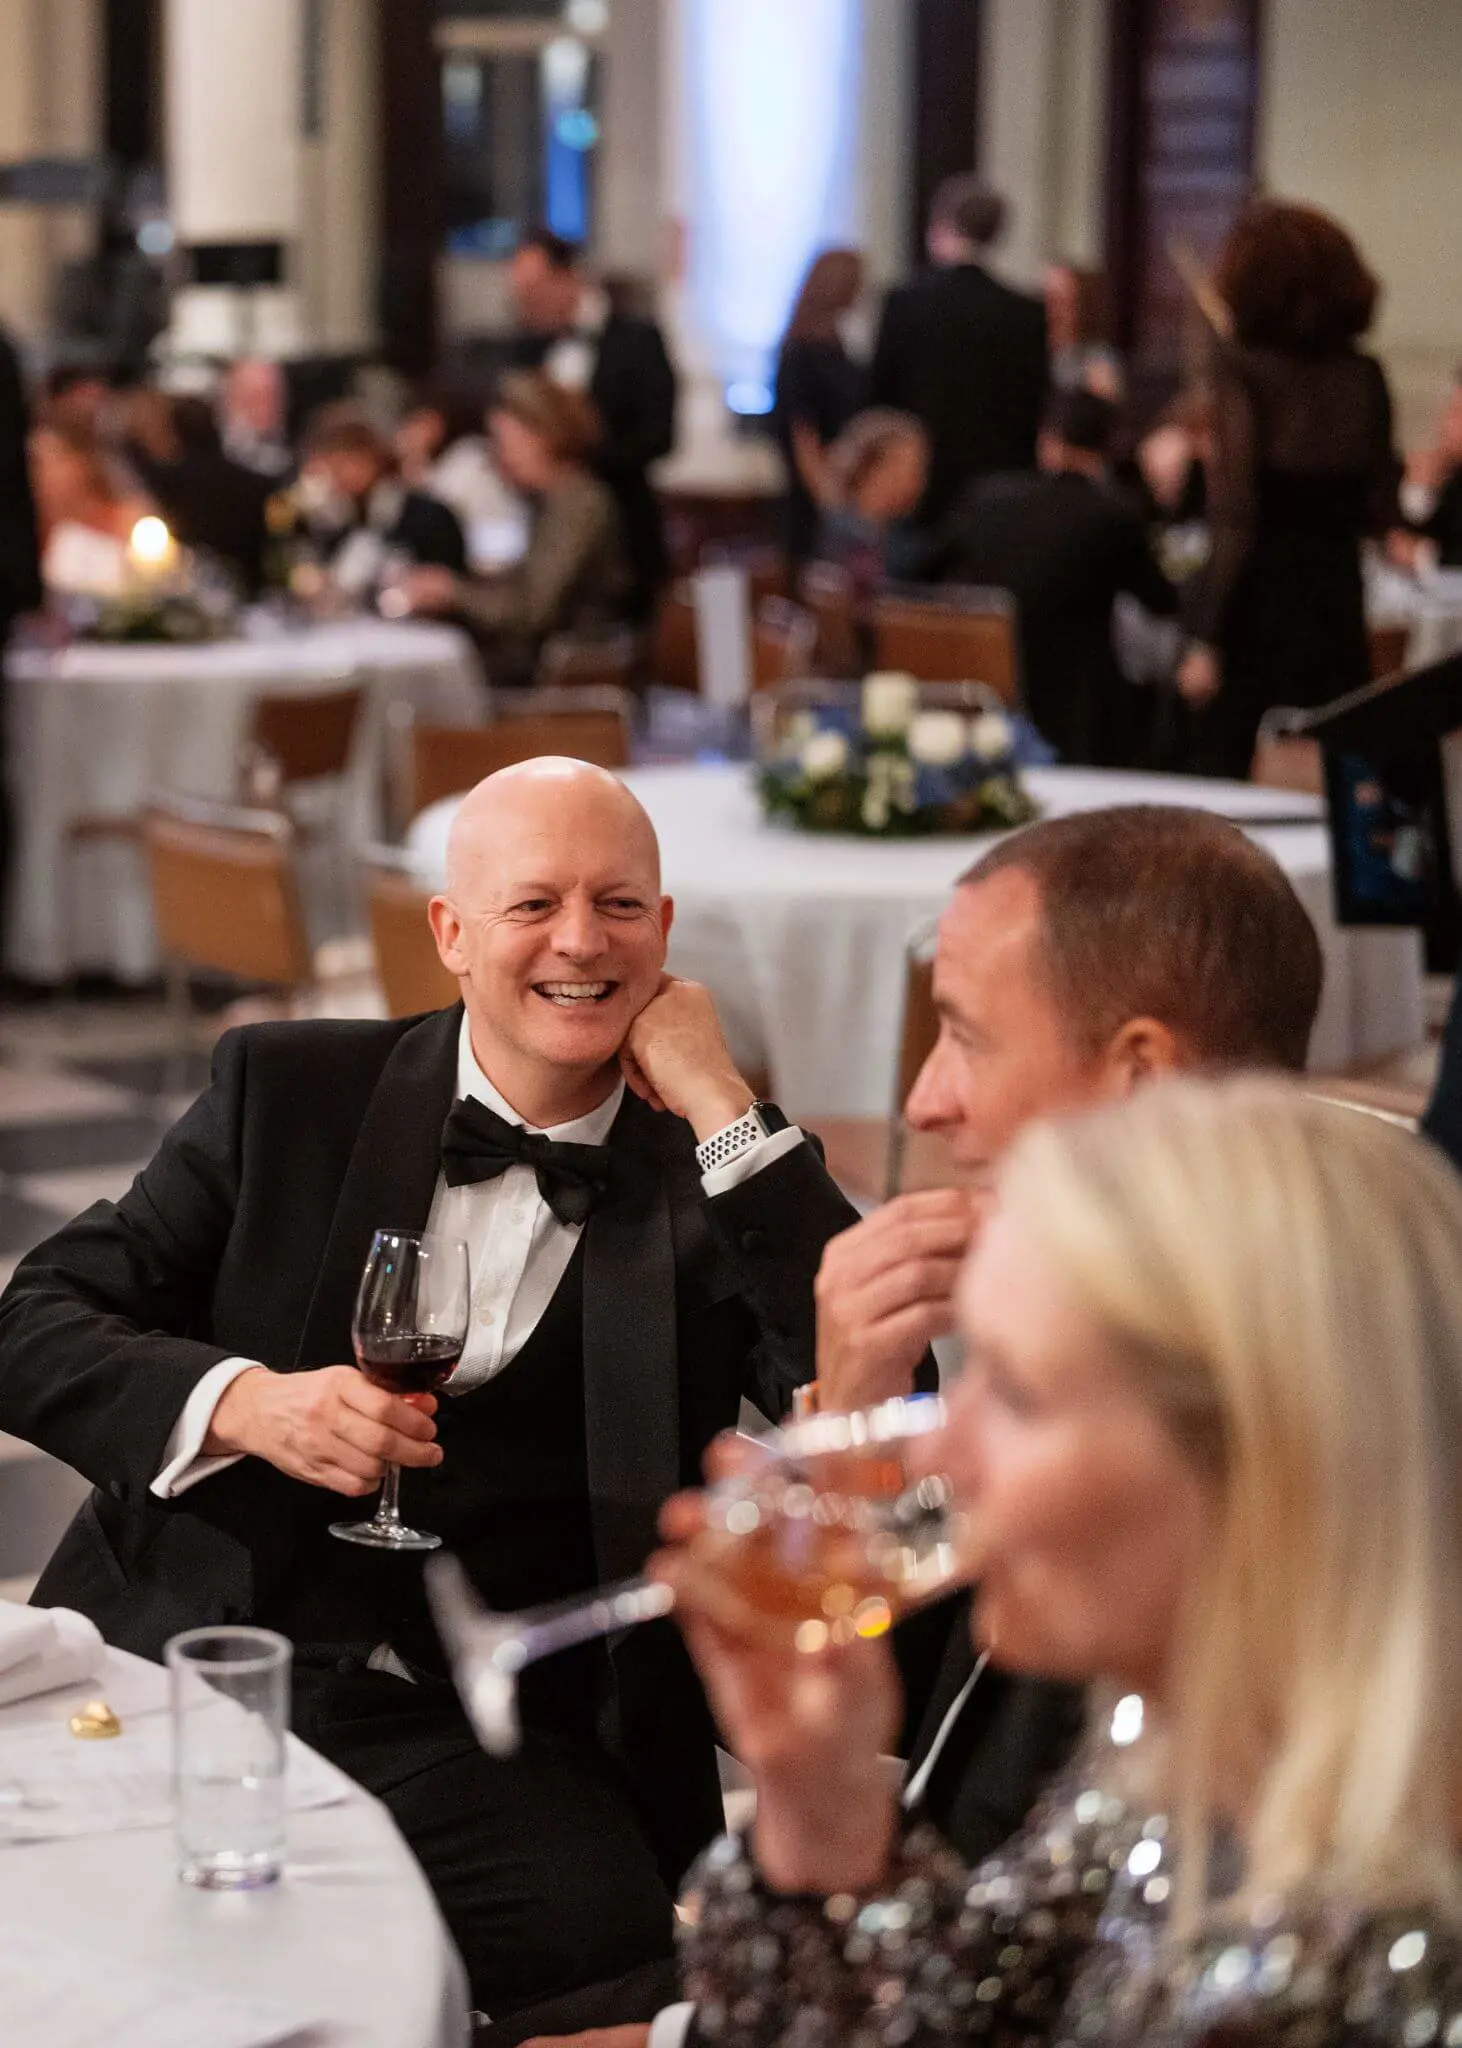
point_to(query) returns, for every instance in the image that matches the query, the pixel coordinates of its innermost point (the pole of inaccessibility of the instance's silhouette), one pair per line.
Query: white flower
(937, 739)
(875, 809)
(823, 756)
(889, 702)
(991, 736)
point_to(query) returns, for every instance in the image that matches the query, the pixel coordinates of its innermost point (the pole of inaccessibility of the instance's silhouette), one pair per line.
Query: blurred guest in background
(819, 387)
(869, 484)
(366, 515)
(20, 570)
(254, 417)
(574, 333)
(575, 576)
(1158, 1438)
(962, 352)
(1065, 543)
(209, 500)
(85, 512)
(443, 450)
(75, 395)
(1171, 460)
(1082, 357)
(1303, 469)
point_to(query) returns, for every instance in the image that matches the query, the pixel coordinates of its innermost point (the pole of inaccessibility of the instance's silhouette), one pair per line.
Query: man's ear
(1142, 1050)
(667, 915)
(446, 929)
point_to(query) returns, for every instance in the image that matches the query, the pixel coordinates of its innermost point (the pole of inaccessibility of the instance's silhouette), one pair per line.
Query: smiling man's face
(554, 924)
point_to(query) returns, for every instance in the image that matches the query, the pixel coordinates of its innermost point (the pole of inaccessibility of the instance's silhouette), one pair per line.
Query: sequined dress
(1060, 1940)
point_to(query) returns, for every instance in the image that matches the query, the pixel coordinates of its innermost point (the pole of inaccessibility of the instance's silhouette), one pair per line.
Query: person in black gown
(1303, 469)
(819, 386)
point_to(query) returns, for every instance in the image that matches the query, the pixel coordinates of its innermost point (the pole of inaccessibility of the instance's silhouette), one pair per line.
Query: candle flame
(151, 543)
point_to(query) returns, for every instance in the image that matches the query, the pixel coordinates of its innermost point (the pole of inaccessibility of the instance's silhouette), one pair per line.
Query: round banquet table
(350, 1935)
(96, 731)
(801, 937)
(1428, 605)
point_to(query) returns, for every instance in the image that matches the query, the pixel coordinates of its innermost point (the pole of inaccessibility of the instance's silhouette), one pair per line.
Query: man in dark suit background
(636, 1270)
(20, 574)
(962, 352)
(574, 331)
(1065, 543)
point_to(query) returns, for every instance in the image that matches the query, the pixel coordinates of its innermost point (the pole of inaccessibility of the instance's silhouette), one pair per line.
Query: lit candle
(151, 550)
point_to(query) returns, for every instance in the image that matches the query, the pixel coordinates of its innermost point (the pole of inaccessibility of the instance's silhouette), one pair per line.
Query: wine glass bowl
(828, 1534)
(408, 1332)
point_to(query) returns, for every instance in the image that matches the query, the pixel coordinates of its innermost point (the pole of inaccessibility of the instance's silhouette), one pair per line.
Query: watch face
(769, 1117)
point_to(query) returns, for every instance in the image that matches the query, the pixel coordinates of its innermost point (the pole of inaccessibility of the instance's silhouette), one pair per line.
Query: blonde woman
(1211, 1438)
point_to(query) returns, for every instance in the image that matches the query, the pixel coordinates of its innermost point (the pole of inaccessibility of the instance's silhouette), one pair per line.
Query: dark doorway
(947, 45)
(132, 62)
(411, 132)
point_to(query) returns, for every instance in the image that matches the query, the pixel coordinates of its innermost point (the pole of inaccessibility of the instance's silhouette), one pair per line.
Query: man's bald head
(553, 922)
(549, 795)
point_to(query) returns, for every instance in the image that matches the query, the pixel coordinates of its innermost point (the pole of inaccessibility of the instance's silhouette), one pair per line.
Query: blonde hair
(1285, 1277)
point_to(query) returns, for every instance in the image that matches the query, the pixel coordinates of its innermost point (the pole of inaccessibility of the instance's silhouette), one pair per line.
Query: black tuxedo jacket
(1064, 546)
(20, 576)
(246, 1236)
(967, 356)
(633, 388)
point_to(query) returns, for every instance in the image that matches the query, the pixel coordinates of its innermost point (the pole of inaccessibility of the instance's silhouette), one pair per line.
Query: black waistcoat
(510, 1498)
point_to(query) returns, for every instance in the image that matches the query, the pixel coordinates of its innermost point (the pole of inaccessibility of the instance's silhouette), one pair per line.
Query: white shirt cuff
(183, 1466)
(671, 2024)
(721, 1179)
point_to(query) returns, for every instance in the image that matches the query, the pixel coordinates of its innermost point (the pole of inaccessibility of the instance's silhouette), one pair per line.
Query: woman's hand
(813, 1729)
(1199, 676)
(429, 590)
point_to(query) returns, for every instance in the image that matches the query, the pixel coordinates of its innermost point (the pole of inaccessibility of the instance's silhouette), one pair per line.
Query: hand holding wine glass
(410, 1325)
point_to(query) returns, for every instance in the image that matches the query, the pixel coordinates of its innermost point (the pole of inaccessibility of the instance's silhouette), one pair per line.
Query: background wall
(1362, 113)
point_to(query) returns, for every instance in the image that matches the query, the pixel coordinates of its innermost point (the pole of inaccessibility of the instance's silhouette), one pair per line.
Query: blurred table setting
(96, 729)
(103, 1943)
(802, 938)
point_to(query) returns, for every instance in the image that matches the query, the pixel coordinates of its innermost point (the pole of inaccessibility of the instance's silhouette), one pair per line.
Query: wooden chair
(408, 966)
(446, 760)
(307, 734)
(783, 640)
(1286, 760)
(609, 662)
(1388, 649)
(828, 592)
(958, 635)
(674, 649)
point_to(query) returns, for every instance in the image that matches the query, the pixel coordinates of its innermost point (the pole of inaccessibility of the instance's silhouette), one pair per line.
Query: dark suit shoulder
(325, 1052)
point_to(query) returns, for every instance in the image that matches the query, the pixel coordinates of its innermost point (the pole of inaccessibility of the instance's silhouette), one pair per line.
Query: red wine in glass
(408, 1365)
(410, 1325)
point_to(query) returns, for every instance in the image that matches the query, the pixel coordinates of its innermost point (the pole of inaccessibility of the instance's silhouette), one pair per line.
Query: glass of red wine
(410, 1325)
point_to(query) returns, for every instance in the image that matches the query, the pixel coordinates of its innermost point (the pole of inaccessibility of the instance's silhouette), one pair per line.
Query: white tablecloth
(350, 1934)
(96, 731)
(801, 937)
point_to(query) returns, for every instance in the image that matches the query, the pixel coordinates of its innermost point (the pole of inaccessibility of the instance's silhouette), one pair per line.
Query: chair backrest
(674, 649)
(829, 593)
(307, 733)
(783, 641)
(408, 965)
(606, 662)
(1286, 760)
(957, 636)
(225, 895)
(448, 759)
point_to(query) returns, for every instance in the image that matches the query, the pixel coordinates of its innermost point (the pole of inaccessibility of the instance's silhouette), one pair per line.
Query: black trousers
(540, 1863)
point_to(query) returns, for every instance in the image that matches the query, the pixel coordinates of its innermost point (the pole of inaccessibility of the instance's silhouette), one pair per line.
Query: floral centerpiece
(886, 769)
(159, 595)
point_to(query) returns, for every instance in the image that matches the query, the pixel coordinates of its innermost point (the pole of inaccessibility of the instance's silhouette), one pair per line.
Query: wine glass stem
(388, 1508)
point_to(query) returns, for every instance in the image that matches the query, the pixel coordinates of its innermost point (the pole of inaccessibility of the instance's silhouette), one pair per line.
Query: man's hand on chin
(634, 2035)
(331, 1427)
(675, 1058)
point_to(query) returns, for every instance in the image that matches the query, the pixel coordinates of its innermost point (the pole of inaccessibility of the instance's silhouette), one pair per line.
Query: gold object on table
(95, 1723)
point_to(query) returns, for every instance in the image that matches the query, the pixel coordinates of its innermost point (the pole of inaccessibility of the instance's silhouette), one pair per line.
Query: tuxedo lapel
(391, 1177)
(631, 1395)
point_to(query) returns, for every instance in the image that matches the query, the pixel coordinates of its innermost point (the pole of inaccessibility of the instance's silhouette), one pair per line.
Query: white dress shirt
(517, 1253)
(574, 358)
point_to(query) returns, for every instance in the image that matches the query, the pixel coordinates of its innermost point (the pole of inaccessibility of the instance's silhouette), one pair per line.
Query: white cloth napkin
(44, 1648)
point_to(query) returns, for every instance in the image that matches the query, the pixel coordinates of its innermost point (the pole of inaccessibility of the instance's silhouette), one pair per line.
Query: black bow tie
(477, 1145)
